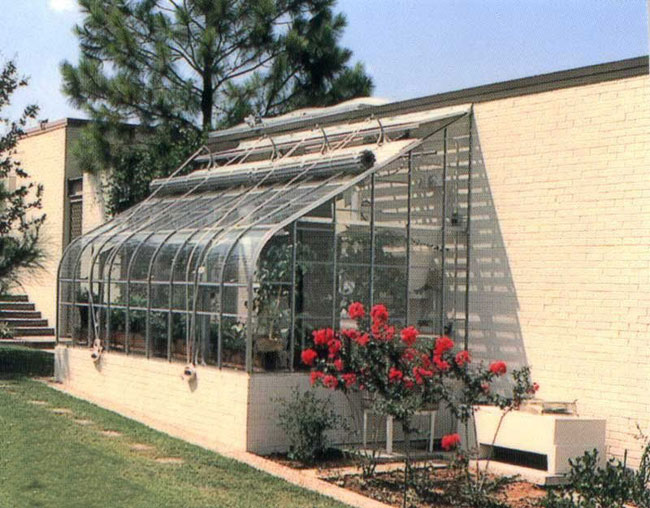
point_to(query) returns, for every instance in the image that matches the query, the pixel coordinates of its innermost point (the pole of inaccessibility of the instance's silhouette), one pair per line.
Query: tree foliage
(185, 67)
(19, 198)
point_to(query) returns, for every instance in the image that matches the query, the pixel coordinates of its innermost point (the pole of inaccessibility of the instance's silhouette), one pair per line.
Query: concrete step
(14, 298)
(24, 331)
(17, 306)
(44, 342)
(29, 322)
(19, 314)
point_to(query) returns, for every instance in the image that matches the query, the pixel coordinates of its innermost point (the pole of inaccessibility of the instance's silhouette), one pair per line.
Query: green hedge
(16, 361)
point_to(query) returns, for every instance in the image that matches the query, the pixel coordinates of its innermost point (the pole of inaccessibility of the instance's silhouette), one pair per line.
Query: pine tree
(20, 199)
(180, 68)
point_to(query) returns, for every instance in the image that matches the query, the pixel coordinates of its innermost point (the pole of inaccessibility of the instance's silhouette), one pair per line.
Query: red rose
(485, 387)
(498, 368)
(462, 358)
(450, 441)
(533, 389)
(409, 335)
(395, 375)
(308, 356)
(349, 379)
(409, 354)
(338, 364)
(441, 364)
(350, 333)
(379, 313)
(363, 340)
(330, 381)
(382, 332)
(315, 376)
(408, 383)
(426, 362)
(321, 337)
(443, 344)
(334, 346)
(419, 373)
(356, 310)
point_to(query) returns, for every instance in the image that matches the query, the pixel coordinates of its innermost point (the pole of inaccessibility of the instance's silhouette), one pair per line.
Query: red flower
(315, 376)
(533, 389)
(379, 313)
(409, 355)
(441, 364)
(395, 375)
(338, 364)
(498, 368)
(349, 379)
(419, 373)
(409, 335)
(323, 336)
(356, 310)
(443, 344)
(450, 441)
(426, 362)
(363, 340)
(485, 387)
(408, 383)
(350, 333)
(308, 356)
(382, 332)
(330, 381)
(462, 358)
(334, 346)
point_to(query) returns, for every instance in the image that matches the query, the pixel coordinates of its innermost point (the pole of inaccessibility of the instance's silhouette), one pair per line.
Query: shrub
(6, 332)
(21, 361)
(305, 420)
(612, 486)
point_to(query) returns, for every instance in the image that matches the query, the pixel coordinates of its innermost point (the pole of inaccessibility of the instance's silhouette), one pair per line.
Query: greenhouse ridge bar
(269, 238)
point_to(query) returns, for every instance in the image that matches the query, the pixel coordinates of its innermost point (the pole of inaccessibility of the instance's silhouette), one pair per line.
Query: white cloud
(62, 5)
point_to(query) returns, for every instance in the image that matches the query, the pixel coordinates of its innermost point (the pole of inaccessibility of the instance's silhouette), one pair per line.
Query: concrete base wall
(211, 412)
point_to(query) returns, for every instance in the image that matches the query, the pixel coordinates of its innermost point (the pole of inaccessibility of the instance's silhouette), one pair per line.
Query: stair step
(21, 331)
(19, 314)
(14, 298)
(17, 306)
(32, 342)
(13, 322)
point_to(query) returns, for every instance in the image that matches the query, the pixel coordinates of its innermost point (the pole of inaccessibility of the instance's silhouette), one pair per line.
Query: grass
(49, 460)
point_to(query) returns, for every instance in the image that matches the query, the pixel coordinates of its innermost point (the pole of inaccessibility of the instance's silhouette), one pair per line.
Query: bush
(305, 420)
(6, 332)
(20, 361)
(612, 486)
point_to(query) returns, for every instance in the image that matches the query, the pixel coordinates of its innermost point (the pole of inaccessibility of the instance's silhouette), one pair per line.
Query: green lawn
(49, 460)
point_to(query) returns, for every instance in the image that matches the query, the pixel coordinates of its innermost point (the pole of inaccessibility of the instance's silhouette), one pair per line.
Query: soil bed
(387, 488)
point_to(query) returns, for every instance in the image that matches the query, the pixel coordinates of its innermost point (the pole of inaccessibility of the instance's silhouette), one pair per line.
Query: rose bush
(405, 373)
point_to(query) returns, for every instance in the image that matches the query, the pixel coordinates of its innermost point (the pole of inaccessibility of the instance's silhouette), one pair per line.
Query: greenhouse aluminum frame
(237, 262)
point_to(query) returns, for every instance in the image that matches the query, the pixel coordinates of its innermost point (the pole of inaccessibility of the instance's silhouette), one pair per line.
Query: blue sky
(410, 47)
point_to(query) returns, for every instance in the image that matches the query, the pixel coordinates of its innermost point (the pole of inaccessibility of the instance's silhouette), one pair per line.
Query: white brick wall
(213, 412)
(561, 246)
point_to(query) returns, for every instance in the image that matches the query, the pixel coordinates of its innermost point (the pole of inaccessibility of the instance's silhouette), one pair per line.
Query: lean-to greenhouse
(234, 260)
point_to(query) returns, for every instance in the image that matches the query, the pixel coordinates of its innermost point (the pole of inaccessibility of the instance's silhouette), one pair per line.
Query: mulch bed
(387, 488)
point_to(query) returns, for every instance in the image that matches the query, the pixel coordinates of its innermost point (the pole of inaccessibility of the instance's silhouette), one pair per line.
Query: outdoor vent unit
(318, 166)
